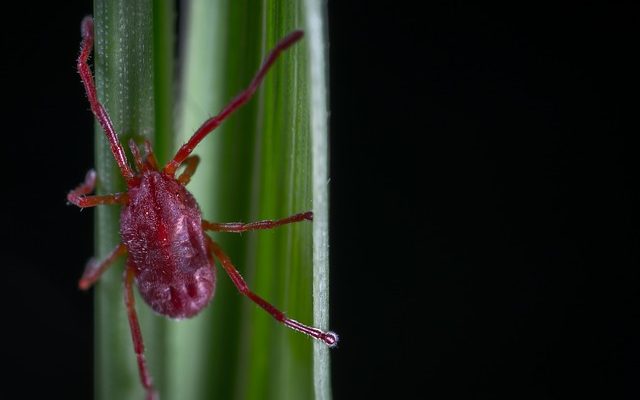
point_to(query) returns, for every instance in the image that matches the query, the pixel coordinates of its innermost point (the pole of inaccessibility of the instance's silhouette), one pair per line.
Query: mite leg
(97, 107)
(266, 224)
(151, 158)
(244, 96)
(137, 158)
(78, 195)
(329, 338)
(136, 335)
(95, 268)
(192, 164)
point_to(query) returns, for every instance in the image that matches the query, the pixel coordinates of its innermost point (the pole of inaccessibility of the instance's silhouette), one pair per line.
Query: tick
(169, 256)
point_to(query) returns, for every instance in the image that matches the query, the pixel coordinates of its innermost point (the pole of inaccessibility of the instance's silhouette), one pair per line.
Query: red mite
(170, 257)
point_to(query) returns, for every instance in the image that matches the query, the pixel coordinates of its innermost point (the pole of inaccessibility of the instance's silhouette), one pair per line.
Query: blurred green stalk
(132, 58)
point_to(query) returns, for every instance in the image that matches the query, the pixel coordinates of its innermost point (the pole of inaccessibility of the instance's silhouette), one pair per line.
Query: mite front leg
(96, 107)
(137, 158)
(149, 163)
(329, 338)
(151, 158)
(136, 335)
(94, 269)
(212, 123)
(192, 164)
(78, 195)
(251, 226)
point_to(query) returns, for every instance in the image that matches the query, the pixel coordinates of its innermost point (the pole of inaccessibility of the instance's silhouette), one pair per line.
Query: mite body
(170, 258)
(161, 227)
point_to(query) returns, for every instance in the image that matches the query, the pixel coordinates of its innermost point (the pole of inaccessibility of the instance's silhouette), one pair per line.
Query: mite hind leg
(327, 337)
(95, 268)
(136, 335)
(78, 196)
(236, 227)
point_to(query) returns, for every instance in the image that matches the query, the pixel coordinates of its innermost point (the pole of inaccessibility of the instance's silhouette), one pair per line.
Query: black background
(483, 192)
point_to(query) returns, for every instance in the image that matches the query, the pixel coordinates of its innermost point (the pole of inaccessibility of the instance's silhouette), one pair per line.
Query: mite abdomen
(162, 230)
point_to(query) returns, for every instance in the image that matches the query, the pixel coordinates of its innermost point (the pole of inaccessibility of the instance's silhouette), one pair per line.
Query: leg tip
(73, 198)
(330, 339)
(84, 284)
(86, 27)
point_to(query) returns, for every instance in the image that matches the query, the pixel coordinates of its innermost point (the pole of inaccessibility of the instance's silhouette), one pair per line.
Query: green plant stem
(257, 165)
(126, 60)
(315, 14)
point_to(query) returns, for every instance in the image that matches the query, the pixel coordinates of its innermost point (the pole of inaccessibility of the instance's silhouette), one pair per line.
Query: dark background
(483, 192)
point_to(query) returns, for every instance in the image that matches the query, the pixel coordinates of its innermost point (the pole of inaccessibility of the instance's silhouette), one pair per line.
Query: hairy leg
(251, 226)
(244, 96)
(137, 158)
(136, 335)
(192, 164)
(98, 109)
(94, 269)
(78, 196)
(151, 158)
(329, 338)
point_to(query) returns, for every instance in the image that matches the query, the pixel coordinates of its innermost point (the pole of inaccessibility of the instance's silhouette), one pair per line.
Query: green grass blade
(315, 17)
(259, 164)
(277, 361)
(134, 91)
(205, 348)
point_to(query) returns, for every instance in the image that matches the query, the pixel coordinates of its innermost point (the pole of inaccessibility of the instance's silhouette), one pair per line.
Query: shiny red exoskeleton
(169, 256)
